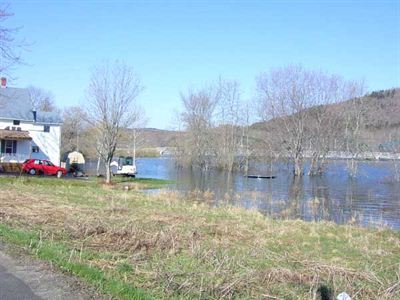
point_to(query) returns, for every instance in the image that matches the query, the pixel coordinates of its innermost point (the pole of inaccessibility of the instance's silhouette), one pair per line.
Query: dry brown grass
(176, 248)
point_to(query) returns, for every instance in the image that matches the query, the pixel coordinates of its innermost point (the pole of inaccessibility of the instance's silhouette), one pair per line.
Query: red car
(41, 166)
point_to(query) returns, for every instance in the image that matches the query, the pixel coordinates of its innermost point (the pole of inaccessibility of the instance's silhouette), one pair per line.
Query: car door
(49, 168)
(38, 166)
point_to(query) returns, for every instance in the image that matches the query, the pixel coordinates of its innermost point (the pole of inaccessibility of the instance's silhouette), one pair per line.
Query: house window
(16, 122)
(9, 146)
(35, 149)
(46, 128)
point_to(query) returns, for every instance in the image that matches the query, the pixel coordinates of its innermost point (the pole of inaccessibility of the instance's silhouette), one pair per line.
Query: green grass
(143, 183)
(92, 182)
(129, 244)
(59, 254)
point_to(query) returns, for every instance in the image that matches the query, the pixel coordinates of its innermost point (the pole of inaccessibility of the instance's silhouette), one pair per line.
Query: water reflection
(370, 199)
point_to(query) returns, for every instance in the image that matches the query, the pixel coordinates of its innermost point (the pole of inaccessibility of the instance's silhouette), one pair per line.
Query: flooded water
(370, 199)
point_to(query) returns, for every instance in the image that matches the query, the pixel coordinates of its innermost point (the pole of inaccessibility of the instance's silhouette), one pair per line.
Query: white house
(24, 132)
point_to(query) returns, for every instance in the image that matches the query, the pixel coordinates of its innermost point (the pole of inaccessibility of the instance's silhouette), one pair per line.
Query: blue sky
(175, 45)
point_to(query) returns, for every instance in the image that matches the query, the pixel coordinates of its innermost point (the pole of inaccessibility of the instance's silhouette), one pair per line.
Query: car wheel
(32, 172)
(59, 174)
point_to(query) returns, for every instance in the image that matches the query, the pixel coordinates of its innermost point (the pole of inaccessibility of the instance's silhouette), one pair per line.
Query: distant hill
(381, 109)
(151, 138)
(381, 114)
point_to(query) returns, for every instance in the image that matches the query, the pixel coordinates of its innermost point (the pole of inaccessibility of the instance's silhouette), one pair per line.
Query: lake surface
(372, 199)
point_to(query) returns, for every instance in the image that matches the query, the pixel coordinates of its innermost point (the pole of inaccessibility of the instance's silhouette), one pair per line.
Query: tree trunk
(313, 166)
(396, 170)
(316, 165)
(108, 171)
(352, 167)
(298, 167)
(98, 166)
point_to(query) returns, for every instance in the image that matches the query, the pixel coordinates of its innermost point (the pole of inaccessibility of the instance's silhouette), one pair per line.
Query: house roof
(14, 135)
(15, 103)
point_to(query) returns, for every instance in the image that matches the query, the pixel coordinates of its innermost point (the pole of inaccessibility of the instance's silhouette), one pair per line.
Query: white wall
(48, 142)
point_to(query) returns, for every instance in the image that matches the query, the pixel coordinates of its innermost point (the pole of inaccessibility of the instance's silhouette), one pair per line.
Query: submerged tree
(229, 118)
(198, 115)
(298, 104)
(112, 95)
(330, 122)
(213, 120)
(353, 122)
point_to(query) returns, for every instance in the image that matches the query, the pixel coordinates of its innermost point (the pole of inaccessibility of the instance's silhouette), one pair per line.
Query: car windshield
(49, 163)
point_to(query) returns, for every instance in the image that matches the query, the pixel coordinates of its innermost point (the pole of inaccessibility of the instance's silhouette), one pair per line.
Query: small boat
(260, 176)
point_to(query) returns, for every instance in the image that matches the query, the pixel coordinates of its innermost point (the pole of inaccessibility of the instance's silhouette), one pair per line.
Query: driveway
(22, 278)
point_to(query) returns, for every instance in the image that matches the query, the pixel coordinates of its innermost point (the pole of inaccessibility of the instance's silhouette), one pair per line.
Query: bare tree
(285, 98)
(323, 131)
(393, 146)
(246, 145)
(41, 99)
(75, 132)
(112, 95)
(353, 121)
(228, 139)
(10, 48)
(326, 124)
(199, 109)
(217, 127)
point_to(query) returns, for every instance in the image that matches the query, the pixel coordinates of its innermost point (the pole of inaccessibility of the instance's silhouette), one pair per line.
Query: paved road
(23, 278)
(12, 287)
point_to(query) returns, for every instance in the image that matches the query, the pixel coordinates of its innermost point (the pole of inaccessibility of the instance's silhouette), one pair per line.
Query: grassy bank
(138, 183)
(136, 246)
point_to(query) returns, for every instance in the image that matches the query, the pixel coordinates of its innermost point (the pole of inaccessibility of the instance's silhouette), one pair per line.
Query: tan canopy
(14, 135)
(76, 157)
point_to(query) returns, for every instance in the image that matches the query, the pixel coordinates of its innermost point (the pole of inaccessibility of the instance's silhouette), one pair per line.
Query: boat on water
(261, 176)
